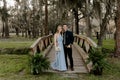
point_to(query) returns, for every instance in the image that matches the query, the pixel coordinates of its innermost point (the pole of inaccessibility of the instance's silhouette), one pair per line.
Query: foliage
(4, 14)
(98, 60)
(38, 64)
(107, 51)
(18, 51)
(108, 46)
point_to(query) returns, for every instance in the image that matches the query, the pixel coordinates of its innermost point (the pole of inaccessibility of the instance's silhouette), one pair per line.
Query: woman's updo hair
(57, 29)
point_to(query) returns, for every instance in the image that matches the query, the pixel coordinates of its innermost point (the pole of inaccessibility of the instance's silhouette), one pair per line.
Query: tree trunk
(46, 18)
(103, 27)
(33, 33)
(22, 33)
(6, 29)
(40, 14)
(3, 30)
(37, 32)
(17, 31)
(29, 33)
(76, 20)
(117, 35)
(6, 20)
(88, 24)
(26, 35)
(41, 31)
(89, 28)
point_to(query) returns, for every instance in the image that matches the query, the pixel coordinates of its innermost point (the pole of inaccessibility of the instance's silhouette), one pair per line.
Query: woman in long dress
(59, 62)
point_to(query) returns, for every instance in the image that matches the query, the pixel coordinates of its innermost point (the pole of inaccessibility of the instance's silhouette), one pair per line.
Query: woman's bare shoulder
(55, 34)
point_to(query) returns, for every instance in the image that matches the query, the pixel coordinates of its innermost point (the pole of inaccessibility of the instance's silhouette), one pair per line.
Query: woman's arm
(55, 40)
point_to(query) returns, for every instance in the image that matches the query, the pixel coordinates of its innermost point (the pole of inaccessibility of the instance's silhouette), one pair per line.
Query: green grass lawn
(16, 42)
(108, 43)
(15, 67)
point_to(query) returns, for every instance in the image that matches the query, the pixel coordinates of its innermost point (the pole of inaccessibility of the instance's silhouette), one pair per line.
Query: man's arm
(72, 38)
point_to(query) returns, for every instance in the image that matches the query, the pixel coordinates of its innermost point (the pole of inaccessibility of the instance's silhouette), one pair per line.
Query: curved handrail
(85, 42)
(41, 44)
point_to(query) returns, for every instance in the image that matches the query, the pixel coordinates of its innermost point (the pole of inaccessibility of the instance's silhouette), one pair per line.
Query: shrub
(109, 52)
(98, 59)
(38, 64)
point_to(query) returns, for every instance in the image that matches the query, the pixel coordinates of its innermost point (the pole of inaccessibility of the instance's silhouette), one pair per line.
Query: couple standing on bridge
(63, 40)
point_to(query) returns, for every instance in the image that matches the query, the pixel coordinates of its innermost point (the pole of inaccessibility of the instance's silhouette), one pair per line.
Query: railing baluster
(38, 49)
(44, 44)
(81, 42)
(40, 45)
(48, 41)
(78, 41)
(87, 46)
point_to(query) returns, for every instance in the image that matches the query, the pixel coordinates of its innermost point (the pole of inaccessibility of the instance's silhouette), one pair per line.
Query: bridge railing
(83, 44)
(41, 44)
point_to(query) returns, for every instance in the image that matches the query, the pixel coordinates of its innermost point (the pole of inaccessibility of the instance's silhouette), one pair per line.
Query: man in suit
(68, 41)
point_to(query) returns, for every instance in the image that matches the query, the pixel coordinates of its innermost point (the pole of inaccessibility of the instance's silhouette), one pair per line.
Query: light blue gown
(59, 62)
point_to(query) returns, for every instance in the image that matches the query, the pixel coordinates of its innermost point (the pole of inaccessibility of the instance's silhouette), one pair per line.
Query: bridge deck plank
(79, 65)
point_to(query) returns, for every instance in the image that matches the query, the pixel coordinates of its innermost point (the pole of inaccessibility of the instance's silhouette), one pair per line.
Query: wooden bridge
(81, 47)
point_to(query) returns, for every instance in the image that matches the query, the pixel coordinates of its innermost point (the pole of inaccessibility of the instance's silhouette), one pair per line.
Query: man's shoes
(72, 69)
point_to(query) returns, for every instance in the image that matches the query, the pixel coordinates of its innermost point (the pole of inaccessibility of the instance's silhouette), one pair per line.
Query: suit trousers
(68, 53)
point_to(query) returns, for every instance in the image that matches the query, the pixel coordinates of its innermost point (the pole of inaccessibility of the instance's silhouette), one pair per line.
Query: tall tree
(40, 15)
(103, 10)
(117, 36)
(75, 6)
(14, 25)
(46, 17)
(5, 20)
(88, 24)
(75, 11)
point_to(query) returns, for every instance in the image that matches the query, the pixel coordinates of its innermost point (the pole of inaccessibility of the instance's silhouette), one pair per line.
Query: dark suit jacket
(69, 38)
